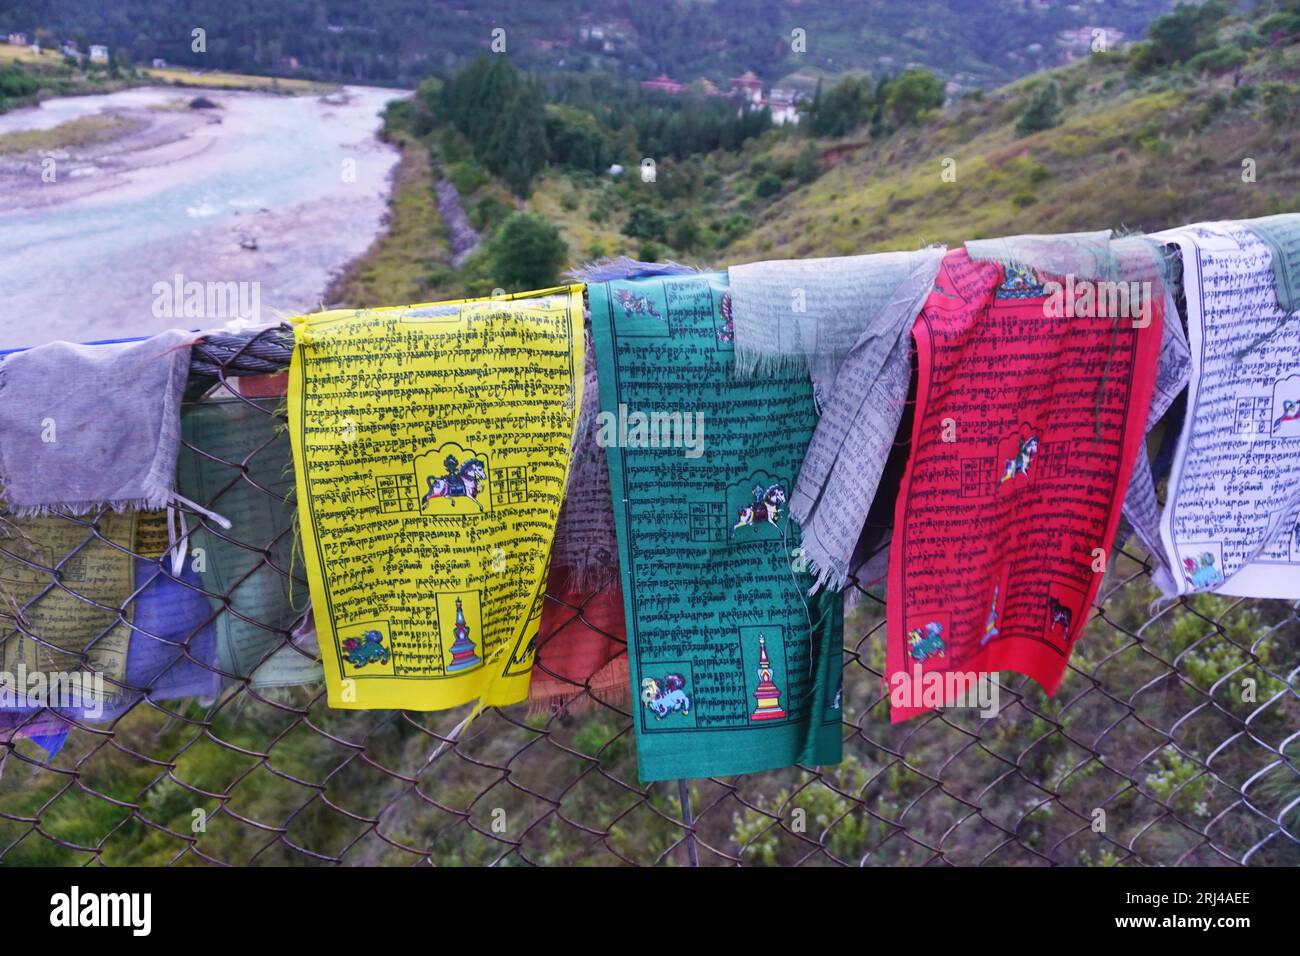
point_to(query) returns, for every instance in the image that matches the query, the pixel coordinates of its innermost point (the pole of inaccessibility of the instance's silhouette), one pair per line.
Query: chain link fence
(1174, 740)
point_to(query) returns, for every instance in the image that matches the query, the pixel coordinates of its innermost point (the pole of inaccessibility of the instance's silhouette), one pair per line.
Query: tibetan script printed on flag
(734, 668)
(432, 449)
(1030, 411)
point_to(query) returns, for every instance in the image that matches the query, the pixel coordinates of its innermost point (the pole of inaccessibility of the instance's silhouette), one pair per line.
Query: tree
(1178, 36)
(1174, 36)
(685, 233)
(846, 107)
(914, 93)
(423, 106)
(1043, 112)
(646, 222)
(502, 115)
(527, 253)
(518, 150)
(806, 167)
(575, 139)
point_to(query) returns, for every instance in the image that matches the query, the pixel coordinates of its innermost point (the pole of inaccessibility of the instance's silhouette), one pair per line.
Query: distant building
(18, 39)
(70, 49)
(749, 87)
(784, 106)
(158, 63)
(747, 90)
(292, 62)
(98, 53)
(663, 83)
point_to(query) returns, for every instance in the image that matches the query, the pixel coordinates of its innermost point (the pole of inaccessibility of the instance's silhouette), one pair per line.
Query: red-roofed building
(663, 83)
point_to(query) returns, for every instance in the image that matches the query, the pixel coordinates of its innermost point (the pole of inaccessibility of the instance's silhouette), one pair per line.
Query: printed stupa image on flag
(767, 695)
(464, 652)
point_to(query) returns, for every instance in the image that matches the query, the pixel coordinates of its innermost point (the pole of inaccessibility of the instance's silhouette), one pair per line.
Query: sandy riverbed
(187, 192)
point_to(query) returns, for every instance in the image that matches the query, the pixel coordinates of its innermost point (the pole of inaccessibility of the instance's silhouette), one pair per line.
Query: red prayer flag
(1030, 411)
(581, 647)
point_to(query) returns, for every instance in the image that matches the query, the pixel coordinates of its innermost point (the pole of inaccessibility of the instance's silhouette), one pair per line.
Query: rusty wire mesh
(1151, 753)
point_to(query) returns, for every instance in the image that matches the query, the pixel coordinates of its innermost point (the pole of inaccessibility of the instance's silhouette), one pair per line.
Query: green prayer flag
(236, 462)
(734, 668)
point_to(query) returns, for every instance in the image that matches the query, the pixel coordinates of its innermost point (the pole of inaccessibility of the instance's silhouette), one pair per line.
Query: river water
(271, 193)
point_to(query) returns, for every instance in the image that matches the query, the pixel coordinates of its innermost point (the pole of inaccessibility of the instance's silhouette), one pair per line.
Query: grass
(83, 131)
(21, 54)
(235, 81)
(570, 208)
(402, 265)
(96, 78)
(1130, 153)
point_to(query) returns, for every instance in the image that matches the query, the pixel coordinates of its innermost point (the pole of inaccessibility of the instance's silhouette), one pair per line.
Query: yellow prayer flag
(431, 445)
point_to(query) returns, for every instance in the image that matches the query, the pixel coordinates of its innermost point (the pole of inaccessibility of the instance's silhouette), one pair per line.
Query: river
(266, 194)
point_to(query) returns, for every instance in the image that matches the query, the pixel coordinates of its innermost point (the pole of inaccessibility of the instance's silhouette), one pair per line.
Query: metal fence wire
(1173, 740)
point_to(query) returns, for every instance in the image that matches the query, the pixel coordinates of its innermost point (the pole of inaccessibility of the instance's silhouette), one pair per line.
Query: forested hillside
(976, 42)
(1197, 122)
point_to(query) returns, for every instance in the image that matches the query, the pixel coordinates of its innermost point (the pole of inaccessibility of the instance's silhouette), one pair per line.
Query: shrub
(527, 252)
(735, 227)
(486, 213)
(1209, 110)
(1142, 57)
(1219, 60)
(685, 233)
(646, 222)
(769, 184)
(466, 177)
(15, 83)
(806, 167)
(1284, 23)
(912, 95)
(1043, 111)
(1280, 101)
(1242, 95)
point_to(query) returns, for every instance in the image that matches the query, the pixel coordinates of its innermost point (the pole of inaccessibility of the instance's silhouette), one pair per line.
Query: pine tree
(518, 150)
(1043, 112)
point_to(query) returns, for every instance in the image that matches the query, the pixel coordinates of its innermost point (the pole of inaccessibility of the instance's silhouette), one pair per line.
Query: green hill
(1138, 140)
(978, 42)
(1130, 153)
